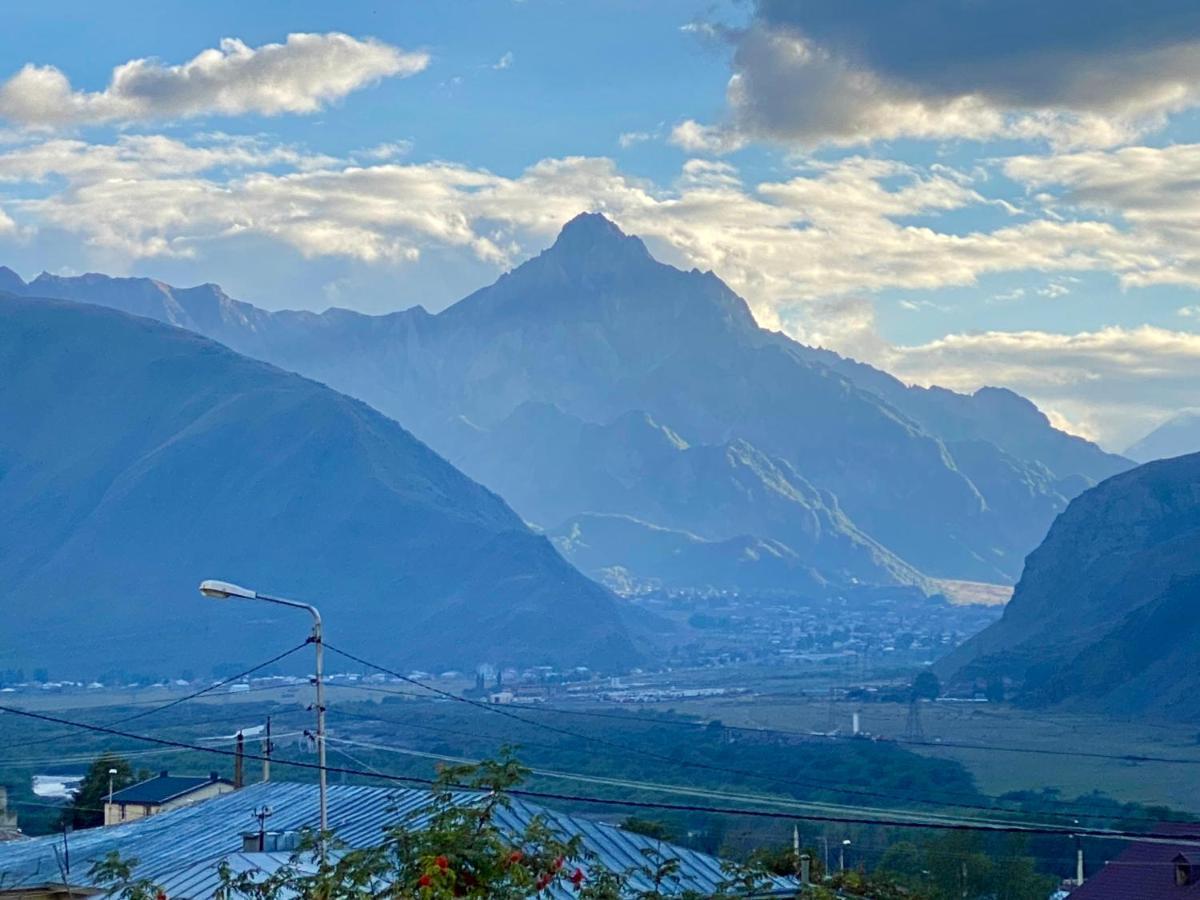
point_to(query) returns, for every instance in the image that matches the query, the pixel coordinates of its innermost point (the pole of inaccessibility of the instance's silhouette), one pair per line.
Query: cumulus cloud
(1114, 384)
(808, 250)
(1153, 192)
(831, 230)
(851, 71)
(301, 75)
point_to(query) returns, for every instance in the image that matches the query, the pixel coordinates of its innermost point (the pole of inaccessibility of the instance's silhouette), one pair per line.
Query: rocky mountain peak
(594, 238)
(10, 281)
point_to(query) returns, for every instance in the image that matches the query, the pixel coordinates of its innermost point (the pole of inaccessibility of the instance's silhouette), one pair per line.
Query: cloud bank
(855, 71)
(808, 250)
(301, 75)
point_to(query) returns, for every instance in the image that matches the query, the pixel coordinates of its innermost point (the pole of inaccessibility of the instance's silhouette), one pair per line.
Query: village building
(162, 793)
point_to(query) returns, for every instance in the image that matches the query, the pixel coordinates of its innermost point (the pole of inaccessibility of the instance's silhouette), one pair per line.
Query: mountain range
(594, 381)
(1104, 614)
(137, 459)
(1177, 436)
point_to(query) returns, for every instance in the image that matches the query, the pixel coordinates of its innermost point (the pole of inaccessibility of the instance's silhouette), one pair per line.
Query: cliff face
(1117, 566)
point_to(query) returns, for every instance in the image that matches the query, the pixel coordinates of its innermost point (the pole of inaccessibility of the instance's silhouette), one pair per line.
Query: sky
(962, 192)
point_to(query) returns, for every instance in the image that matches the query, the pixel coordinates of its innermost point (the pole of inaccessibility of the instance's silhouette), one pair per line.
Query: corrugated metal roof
(164, 787)
(182, 849)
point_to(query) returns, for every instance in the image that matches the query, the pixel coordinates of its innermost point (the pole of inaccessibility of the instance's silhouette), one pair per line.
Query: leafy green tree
(454, 850)
(926, 686)
(994, 691)
(651, 828)
(87, 806)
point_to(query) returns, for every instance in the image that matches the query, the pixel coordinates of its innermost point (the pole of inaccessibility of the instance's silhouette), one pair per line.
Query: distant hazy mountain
(137, 459)
(1178, 435)
(629, 555)
(952, 485)
(1106, 607)
(636, 470)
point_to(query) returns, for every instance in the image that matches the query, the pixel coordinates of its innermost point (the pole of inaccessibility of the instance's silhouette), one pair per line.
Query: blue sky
(1019, 212)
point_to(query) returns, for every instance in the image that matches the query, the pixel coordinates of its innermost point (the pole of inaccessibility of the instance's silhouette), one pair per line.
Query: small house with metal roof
(162, 793)
(182, 850)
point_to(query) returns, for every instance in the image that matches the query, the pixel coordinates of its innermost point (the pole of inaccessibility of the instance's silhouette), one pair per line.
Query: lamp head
(223, 590)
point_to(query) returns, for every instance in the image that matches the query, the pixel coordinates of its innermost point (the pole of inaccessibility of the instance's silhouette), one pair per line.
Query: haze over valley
(599, 450)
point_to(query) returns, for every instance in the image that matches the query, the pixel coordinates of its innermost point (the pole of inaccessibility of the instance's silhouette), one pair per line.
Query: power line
(813, 738)
(660, 787)
(178, 700)
(626, 749)
(1067, 811)
(964, 824)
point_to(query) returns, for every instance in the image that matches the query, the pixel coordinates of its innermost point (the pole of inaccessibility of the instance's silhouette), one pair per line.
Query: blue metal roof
(181, 849)
(164, 787)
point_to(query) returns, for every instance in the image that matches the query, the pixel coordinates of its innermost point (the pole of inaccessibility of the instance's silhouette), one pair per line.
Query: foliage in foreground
(451, 849)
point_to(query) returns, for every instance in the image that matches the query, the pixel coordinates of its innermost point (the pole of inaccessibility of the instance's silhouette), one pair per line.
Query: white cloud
(844, 72)
(692, 137)
(1114, 384)
(808, 251)
(832, 230)
(302, 75)
(1151, 191)
(504, 62)
(386, 151)
(629, 139)
(1008, 296)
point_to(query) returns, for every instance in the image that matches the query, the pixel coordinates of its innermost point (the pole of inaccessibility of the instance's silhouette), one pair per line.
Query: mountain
(946, 484)
(137, 459)
(639, 471)
(1105, 608)
(630, 555)
(1178, 435)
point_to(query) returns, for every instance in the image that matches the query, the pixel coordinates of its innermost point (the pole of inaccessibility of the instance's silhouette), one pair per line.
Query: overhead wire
(626, 749)
(962, 824)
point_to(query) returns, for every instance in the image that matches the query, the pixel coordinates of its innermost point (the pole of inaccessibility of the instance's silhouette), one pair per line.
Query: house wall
(116, 813)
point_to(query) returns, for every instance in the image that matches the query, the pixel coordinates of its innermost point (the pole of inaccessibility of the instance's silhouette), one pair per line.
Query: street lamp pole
(222, 590)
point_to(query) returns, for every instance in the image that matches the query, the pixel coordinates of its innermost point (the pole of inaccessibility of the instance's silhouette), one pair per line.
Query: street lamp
(223, 590)
(842, 854)
(111, 775)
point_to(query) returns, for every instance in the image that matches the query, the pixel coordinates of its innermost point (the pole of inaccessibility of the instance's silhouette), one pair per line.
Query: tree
(451, 849)
(651, 828)
(994, 690)
(87, 806)
(926, 686)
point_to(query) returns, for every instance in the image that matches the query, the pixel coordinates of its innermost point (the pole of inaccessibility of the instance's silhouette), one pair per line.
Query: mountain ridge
(596, 327)
(1119, 564)
(148, 457)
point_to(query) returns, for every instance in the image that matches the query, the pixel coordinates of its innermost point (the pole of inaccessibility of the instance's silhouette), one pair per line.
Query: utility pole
(1078, 860)
(223, 590)
(825, 851)
(262, 815)
(239, 762)
(267, 747)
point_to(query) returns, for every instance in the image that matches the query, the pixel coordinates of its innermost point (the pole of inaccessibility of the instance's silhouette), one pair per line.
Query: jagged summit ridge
(596, 241)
